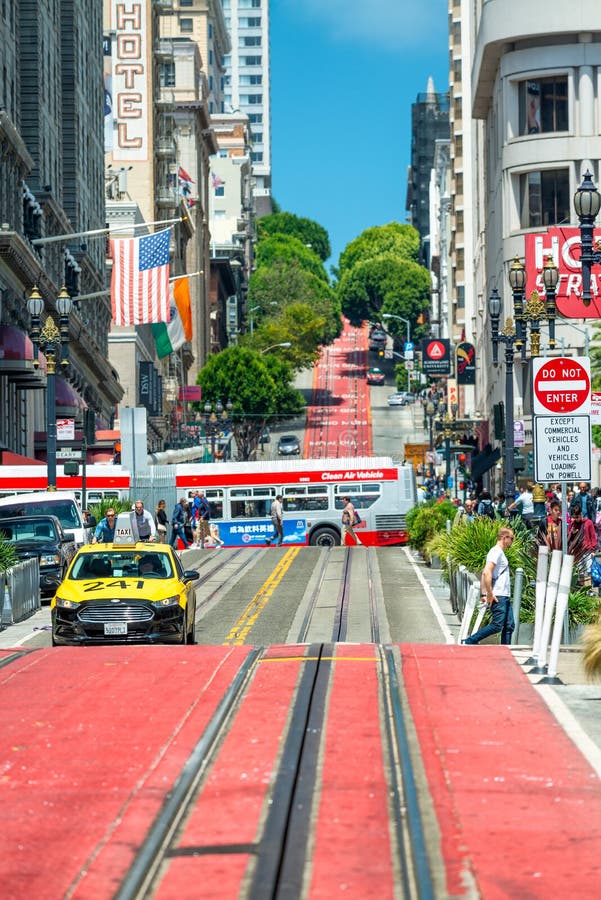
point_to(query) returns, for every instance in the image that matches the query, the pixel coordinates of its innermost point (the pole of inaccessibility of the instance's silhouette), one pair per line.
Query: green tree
(298, 325)
(272, 288)
(286, 248)
(386, 283)
(259, 387)
(401, 240)
(308, 232)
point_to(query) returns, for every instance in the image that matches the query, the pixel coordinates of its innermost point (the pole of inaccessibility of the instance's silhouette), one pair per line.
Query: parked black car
(42, 537)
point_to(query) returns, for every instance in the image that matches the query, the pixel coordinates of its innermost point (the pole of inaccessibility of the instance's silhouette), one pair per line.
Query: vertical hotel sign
(131, 74)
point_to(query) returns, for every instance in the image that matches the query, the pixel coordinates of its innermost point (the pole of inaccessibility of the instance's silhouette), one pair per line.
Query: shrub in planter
(468, 543)
(427, 520)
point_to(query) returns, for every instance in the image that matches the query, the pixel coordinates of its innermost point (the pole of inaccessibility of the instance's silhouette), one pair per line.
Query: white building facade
(247, 86)
(536, 102)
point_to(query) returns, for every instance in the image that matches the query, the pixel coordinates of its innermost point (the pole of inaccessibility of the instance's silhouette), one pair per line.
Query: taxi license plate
(115, 628)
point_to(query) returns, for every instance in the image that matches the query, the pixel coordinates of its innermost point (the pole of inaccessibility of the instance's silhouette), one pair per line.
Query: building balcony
(166, 198)
(165, 148)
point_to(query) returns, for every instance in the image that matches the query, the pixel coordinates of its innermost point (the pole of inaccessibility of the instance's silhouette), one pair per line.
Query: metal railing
(20, 591)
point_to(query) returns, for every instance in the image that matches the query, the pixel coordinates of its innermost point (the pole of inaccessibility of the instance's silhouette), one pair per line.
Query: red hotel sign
(564, 245)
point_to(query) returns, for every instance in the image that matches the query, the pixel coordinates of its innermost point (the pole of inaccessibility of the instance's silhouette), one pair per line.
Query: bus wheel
(324, 537)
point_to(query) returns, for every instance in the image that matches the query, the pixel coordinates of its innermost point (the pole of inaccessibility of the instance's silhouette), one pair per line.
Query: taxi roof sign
(124, 532)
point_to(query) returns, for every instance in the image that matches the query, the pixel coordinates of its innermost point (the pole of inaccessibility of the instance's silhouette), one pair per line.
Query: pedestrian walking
(582, 543)
(161, 521)
(105, 530)
(277, 520)
(178, 523)
(143, 525)
(495, 591)
(202, 515)
(348, 520)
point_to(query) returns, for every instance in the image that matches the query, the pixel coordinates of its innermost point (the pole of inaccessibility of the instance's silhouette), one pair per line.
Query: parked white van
(62, 504)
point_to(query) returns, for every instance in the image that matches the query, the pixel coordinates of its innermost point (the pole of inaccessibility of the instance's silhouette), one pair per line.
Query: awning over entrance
(16, 358)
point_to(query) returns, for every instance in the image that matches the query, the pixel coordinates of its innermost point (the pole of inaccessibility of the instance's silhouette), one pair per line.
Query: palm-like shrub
(468, 543)
(8, 554)
(98, 510)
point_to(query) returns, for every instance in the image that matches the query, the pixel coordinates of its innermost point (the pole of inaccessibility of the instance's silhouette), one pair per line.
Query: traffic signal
(461, 460)
(519, 463)
(531, 460)
(499, 420)
(89, 425)
(380, 353)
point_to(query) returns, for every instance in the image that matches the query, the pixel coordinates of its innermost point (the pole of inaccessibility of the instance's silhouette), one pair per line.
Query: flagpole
(99, 231)
(107, 293)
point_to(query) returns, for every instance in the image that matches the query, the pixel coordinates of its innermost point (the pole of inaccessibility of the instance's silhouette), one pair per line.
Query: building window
(257, 156)
(255, 118)
(257, 137)
(251, 99)
(544, 198)
(251, 60)
(544, 105)
(250, 41)
(251, 79)
(167, 75)
(186, 2)
(186, 26)
(220, 191)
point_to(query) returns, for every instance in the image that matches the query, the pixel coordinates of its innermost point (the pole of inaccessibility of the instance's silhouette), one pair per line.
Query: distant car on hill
(377, 340)
(288, 445)
(375, 376)
(400, 398)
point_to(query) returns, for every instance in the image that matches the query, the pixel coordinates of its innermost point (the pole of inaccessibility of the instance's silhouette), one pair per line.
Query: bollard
(550, 598)
(470, 605)
(7, 610)
(518, 584)
(563, 594)
(542, 567)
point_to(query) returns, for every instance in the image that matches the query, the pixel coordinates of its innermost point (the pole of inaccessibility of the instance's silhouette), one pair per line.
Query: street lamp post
(252, 318)
(431, 409)
(273, 346)
(53, 342)
(508, 337)
(587, 202)
(216, 420)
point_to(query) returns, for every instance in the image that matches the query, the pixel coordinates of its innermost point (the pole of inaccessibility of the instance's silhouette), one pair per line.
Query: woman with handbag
(162, 521)
(348, 520)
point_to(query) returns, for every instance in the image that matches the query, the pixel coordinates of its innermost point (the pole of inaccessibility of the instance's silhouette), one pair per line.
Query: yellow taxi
(125, 592)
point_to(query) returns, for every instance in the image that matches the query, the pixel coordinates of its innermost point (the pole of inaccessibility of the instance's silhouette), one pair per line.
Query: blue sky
(344, 74)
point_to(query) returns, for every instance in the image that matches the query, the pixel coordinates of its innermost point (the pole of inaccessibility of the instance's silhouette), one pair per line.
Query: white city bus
(240, 495)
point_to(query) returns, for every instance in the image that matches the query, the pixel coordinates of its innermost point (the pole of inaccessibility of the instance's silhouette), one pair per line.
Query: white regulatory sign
(562, 448)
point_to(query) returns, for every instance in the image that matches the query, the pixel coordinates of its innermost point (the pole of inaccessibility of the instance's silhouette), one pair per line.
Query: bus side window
(238, 509)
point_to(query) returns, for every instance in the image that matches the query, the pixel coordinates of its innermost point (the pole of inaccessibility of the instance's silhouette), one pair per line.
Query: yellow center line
(241, 628)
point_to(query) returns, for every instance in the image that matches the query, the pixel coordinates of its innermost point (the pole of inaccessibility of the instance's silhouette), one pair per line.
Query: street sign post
(562, 427)
(563, 448)
(562, 386)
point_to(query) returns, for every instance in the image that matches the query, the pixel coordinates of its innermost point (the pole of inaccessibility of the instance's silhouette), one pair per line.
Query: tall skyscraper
(429, 122)
(247, 86)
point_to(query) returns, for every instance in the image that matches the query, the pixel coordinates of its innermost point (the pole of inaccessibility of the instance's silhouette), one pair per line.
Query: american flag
(216, 180)
(140, 279)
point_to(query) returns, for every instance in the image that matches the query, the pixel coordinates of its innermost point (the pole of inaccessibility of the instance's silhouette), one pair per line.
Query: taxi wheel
(191, 634)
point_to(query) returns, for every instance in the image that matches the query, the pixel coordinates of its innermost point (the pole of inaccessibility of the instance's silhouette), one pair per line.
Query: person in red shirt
(582, 543)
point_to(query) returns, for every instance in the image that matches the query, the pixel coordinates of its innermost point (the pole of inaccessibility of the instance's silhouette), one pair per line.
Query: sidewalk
(575, 703)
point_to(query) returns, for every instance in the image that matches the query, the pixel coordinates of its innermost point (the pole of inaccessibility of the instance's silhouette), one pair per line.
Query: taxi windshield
(122, 564)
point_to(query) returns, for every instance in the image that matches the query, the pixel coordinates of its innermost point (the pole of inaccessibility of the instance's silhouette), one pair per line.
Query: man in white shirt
(496, 592)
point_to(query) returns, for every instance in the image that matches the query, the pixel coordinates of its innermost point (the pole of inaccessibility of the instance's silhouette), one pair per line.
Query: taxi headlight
(167, 601)
(66, 604)
(50, 559)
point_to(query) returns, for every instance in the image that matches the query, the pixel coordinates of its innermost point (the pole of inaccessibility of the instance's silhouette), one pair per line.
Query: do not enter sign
(562, 386)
